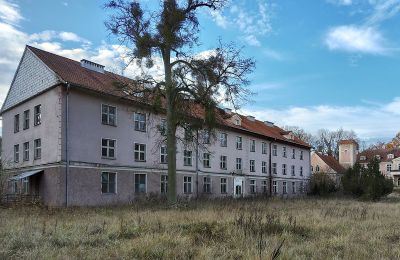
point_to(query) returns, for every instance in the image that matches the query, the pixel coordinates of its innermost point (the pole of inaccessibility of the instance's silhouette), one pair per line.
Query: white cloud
(273, 54)
(340, 2)
(49, 35)
(367, 121)
(352, 38)
(9, 12)
(383, 10)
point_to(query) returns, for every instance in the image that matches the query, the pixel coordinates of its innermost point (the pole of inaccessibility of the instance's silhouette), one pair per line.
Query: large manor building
(71, 138)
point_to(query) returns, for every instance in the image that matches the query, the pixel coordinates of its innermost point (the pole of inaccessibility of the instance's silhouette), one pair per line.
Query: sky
(319, 64)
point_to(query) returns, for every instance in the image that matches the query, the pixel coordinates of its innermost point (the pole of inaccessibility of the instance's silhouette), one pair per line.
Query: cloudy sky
(320, 64)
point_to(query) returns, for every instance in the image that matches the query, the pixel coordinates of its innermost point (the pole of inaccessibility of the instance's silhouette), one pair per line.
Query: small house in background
(321, 163)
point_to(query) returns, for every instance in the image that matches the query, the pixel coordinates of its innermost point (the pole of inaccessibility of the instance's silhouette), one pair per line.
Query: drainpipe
(270, 169)
(66, 143)
(197, 163)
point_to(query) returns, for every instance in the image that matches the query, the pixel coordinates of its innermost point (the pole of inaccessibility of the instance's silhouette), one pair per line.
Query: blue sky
(320, 64)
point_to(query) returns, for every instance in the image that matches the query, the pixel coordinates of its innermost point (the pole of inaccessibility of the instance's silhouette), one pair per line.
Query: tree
(191, 82)
(327, 141)
(300, 133)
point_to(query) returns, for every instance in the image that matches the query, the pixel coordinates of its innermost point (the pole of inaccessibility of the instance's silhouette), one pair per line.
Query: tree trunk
(171, 129)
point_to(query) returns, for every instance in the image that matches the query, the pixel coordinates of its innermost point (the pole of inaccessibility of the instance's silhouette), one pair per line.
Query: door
(238, 187)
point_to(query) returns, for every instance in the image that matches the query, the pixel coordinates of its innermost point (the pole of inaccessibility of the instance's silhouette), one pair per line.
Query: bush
(321, 184)
(367, 182)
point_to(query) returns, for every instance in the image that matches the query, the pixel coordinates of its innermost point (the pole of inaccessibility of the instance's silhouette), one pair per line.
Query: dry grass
(245, 229)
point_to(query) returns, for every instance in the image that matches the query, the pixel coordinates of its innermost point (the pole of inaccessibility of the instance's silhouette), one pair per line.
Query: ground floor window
(301, 187)
(108, 182)
(13, 186)
(284, 187)
(223, 185)
(274, 187)
(253, 187)
(140, 183)
(293, 187)
(25, 185)
(187, 184)
(207, 184)
(164, 184)
(264, 186)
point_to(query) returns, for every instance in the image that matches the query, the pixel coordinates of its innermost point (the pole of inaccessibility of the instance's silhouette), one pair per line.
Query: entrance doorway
(238, 187)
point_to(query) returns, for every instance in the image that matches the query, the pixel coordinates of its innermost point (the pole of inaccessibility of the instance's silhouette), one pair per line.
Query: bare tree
(327, 141)
(300, 133)
(193, 85)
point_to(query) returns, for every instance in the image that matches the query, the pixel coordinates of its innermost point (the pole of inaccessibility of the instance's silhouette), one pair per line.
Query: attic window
(237, 122)
(363, 158)
(390, 156)
(378, 156)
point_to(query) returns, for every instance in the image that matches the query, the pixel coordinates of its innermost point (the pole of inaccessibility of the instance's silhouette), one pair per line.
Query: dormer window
(390, 156)
(237, 122)
(363, 158)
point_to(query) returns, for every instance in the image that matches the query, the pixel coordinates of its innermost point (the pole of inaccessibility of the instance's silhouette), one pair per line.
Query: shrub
(321, 184)
(367, 182)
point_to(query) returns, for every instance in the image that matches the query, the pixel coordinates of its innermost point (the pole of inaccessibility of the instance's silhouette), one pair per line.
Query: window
(164, 184)
(284, 169)
(317, 168)
(274, 168)
(264, 187)
(108, 148)
(238, 163)
(163, 127)
(274, 150)
(108, 182)
(223, 140)
(16, 153)
(108, 115)
(301, 187)
(264, 167)
(293, 153)
(239, 142)
(294, 187)
(389, 167)
(206, 160)
(206, 136)
(252, 145)
(26, 151)
(187, 158)
(284, 187)
(284, 151)
(37, 115)
(253, 188)
(140, 122)
(222, 163)
(140, 152)
(223, 185)
(187, 184)
(252, 166)
(26, 119)
(274, 187)
(37, 148)
(301, 170)
(301, 155)
(188, 134)
(25, 185)
(140, 183)
(13, 185)
(363, 158)
(163, 154)
(16, 123)
(264, 148)
(207, 184)
(293, 171)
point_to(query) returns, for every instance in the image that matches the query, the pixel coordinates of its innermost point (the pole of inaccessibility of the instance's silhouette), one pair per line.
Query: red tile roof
(383, 153)
(348, 142)
(332, 163)
(72, 72)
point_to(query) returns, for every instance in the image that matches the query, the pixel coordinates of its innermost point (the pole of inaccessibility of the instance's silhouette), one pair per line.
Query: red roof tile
(332, 163)
(72, 72)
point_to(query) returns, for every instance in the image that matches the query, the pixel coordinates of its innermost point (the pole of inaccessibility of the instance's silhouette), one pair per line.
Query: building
(389, 161)
(72, 138)
(328, 164)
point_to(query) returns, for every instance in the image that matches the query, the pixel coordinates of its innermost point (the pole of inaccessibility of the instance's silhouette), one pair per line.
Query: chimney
(92, 66)
(269, 123)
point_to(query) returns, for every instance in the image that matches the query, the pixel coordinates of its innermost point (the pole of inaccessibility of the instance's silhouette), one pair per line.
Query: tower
(348, 150)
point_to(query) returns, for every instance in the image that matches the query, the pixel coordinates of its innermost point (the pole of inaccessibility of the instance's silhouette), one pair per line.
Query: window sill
(187, 165)
(140, 161)
(138, 130)
(114, 125)
(108, 193)
(108, 158)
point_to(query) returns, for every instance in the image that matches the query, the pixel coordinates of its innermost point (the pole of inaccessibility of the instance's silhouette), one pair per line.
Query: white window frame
(301, 170)
(164, 183)
(138, 124)
(37, 149)
(275, 150)
(138, 152)
(223, 184)
(264, 148)
(252, 165)
(16, 153)
(223, 162)
(108, 114)
(284, 154)
(25, 185)
(223, 141)
(239, 143)
(16, 123)
(207, 184)
(301, 155)
(108, 147)
(293, 187)
(389, 167)
(187, 160)
(264, 186)
(284, 187)
(206, 160)
(26, 119)
(252, 146)
(284, 169)
(186, 184)
(25, 156)
(274, 187)
(293, 170)
(108, 182)
(163, 155)
(293, 153)
(264, 167)
(239, 164)
(253, 186)
(274, 168)
(37, 116)
(145, 183)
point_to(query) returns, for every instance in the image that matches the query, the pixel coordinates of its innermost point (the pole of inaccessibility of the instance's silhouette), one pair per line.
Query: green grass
(242, 229)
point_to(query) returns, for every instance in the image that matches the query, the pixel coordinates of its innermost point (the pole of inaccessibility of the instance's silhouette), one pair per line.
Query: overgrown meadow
(222, 229)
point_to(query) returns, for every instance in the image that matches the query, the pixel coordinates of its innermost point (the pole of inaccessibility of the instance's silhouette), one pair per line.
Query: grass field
(242, 229)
